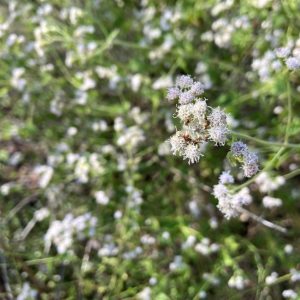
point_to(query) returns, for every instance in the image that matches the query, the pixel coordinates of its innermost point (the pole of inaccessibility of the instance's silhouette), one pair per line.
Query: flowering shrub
(93, 203)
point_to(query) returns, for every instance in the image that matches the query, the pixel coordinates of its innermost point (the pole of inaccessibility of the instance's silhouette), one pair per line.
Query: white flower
(238, 282)
(293, 63)
(243, 197)
(41, 214)
(288, 249)
(199, 110)
(185, 112)
(250, 164)
(145, 294)
(184, 81)
(218, 134)
(267, 184)
(289, 294)
(177, 143)
(220, 191)
(217, 117)
(295, 275)
(173, 93)
(101, 198)
(271, 278)
(192, 153)
(250, 169)
(226, 178)
(186, 97)
(197, 88)
(45, 174)
(271, 202)
(282, 52)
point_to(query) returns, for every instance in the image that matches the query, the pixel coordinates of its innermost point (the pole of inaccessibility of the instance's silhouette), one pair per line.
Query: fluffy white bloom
(184, 81)
(177, 263)
(192, 153)
(238, 149)
(199, 110)
(288, 249)
(185, 112)
(289, 294)
(177, 143)
(228, 207)
(243, 197)
(293, 63)
(41, 214)
(228, 203)
(108, 249)
(44, 174)
(217, 117)
(266, 184)
(190, 241)
(173, 93)
(283, 52)
(197, 88)
(101, 198)
(186, 97)
(271, 278)
(250, 169)
(61, 233)
(226, 178)
(220, 191)
(295, 275)
(145, 294)
(162, 83)
(238, 282)
(271, 202)
(27, 292)
(250, 164)
(218, 134)
(131, 137)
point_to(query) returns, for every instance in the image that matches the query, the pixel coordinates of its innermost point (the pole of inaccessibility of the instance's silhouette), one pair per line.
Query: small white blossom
(186, 97)
(271, 202)
(184, 81)
(217, 117)
(101, 198)
(271, 278)
(283, 52)
(192, 153)
(293, 63)
(226, 178)
(173, 93)
(218, 134)
(289, 294)
(177, 143)
(238, 149)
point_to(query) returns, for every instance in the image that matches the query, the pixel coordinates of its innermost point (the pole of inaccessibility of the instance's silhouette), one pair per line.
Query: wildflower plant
(92, 204)
(202, 124)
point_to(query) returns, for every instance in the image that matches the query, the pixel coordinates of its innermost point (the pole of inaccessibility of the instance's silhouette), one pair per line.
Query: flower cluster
(228, 203)
(201, 123)
(292, 58)
(249, 159)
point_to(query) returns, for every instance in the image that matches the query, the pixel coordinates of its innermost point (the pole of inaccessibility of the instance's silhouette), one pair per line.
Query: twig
(19, 206)
(262, 220)
(263, 142)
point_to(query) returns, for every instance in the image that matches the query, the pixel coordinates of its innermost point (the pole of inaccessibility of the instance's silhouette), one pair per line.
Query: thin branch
(263, 142)
(262, 220)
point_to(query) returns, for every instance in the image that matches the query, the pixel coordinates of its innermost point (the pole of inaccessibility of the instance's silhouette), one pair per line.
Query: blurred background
(92, 203)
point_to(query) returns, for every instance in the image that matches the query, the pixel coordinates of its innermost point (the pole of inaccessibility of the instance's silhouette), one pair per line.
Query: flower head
(184, 81)
(192, 153)
(238, 149)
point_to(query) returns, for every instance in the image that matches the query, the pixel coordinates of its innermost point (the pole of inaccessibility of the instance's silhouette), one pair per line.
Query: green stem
(263, 142)
(292, 174)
